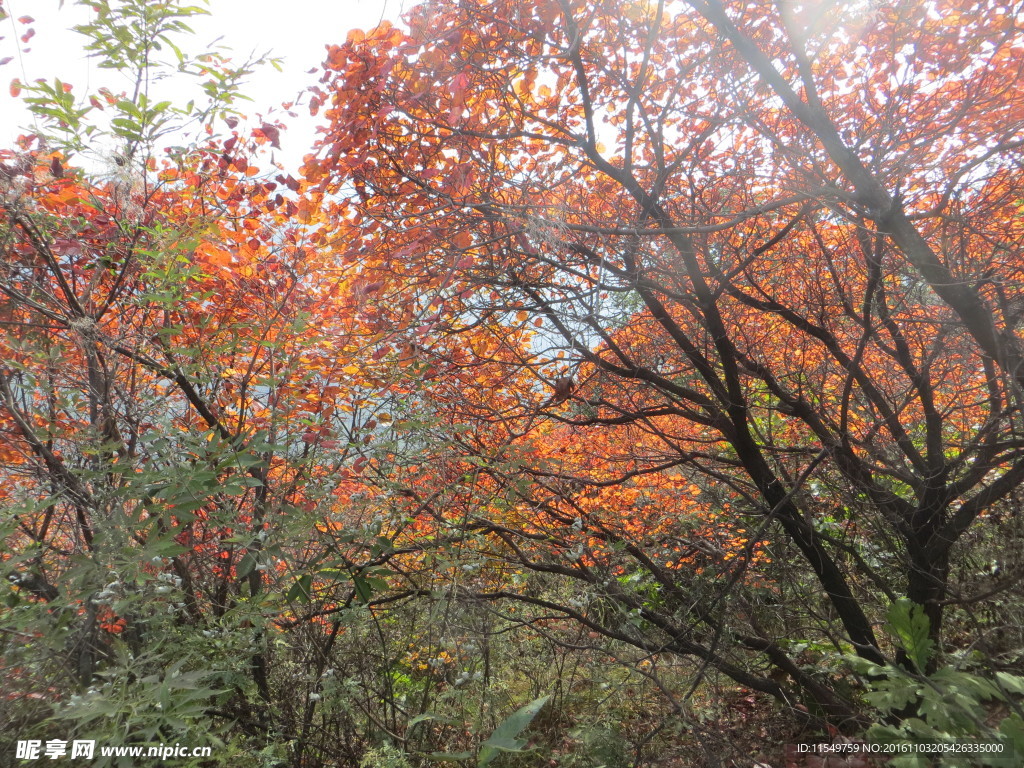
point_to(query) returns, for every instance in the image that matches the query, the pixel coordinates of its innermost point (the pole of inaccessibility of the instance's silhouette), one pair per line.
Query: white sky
(293, 30)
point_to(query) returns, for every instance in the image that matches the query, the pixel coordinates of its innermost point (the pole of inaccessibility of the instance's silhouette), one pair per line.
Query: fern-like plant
(951, 726)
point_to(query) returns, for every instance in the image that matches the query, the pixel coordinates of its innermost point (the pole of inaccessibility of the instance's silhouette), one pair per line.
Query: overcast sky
(294, 30)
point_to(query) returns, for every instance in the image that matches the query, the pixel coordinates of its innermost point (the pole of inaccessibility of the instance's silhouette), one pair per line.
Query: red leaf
(272, 133)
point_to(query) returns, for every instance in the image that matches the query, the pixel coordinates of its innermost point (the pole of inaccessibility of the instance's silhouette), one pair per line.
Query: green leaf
(430, 717)
(301, 590)
(506, 736)
(1011, 683)
(364, 588)
(246, 565)
(422, 718)
(890, 699)
(1012, 728)
(909, 624)
(978, 688)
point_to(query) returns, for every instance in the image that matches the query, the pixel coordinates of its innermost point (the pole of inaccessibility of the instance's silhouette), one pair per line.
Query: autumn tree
(667, 269)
